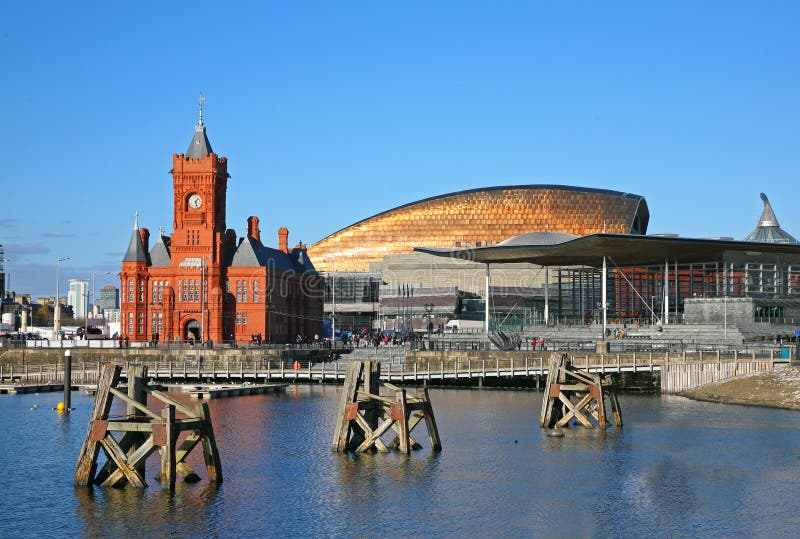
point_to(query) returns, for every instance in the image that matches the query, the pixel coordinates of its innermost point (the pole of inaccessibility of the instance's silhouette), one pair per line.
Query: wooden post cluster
(143, 431)
(572, 393)
(364, 415)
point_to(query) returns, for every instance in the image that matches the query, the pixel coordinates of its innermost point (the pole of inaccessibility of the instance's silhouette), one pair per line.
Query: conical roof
(200, 146)
(768, 230)
(135, 252)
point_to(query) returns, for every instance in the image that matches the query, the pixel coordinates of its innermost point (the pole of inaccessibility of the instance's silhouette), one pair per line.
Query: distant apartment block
(109, 298)
(78, 297)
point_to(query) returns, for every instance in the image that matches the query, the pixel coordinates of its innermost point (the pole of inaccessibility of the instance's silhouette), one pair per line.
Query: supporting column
(546, 295)
(487, 298)
(605, 299)
(666, 293)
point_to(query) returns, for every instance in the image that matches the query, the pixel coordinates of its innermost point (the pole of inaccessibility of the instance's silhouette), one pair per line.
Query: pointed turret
(768, 230)
(200, 146)
(159, 254)
(136, 251)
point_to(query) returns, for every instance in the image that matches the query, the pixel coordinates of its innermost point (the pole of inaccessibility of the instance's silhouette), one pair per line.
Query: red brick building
(248, 289)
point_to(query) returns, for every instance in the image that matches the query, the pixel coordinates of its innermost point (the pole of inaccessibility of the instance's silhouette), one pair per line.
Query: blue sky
(330, 112)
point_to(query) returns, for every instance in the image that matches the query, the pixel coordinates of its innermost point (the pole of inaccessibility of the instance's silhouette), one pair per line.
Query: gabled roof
(252, 253)
(768, 230)
(159, 254)
(301, 260)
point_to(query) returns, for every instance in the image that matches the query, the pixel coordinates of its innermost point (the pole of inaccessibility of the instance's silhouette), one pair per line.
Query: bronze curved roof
(482, 217)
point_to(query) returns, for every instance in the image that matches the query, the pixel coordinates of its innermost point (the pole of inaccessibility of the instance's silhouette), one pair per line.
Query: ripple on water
(678, 467)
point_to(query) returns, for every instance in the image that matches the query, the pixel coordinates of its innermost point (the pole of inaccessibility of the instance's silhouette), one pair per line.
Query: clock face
(195, 201)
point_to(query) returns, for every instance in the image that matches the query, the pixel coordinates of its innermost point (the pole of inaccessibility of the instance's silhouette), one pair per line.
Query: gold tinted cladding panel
(480, 217)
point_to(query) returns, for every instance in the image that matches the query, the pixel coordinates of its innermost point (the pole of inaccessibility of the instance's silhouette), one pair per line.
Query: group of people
(537, 343)
(619, 333)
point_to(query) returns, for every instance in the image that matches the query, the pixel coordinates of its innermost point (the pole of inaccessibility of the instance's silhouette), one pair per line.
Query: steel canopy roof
(622, 249)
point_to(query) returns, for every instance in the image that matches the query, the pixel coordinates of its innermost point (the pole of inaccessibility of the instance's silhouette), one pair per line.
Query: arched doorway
(191, 331)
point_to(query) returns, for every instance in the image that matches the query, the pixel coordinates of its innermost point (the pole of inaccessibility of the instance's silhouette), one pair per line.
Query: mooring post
(67, 380)
(168, 450)
(136, 374)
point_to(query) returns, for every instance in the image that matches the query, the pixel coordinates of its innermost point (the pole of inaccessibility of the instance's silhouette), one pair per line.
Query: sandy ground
(779, 388)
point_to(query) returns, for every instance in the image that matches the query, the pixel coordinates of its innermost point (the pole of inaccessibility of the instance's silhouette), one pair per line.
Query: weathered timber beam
(375, 435)
(129, 426)
(210, 451)
(413, 420)
(136, 458)
(87, 458)
(581, 375)
(430, 422)
(115, 453)
(125, 444)
(348, 396)
(167, 450)
(138, 405)
(166, 399)
(371, 396)
(575, 387)
(368, 433)
(575, 411)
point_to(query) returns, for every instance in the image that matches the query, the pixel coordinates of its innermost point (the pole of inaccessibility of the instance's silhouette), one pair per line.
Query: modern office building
(109, 298)
(78, 298)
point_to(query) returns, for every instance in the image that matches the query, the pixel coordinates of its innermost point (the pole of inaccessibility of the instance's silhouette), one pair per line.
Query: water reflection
(676, 468)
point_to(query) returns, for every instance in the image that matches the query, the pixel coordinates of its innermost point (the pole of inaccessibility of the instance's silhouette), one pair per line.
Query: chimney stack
(144, 235)
(252, 228)
(283, 239)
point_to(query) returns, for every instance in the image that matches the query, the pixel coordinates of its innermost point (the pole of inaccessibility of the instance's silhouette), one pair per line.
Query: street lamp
(429, 312)
(203, 298)
(652, 310)
(57, 306)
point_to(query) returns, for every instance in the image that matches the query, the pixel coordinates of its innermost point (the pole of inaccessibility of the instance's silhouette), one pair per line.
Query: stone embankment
(33, 357)
(778, 388)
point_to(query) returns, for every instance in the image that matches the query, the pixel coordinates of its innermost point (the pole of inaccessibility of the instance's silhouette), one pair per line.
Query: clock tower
(202, 283)
(200, 182)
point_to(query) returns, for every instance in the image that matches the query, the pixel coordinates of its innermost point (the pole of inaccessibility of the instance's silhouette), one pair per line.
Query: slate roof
(135, 252)
(159, 254)
(252, 253)
(200, 146)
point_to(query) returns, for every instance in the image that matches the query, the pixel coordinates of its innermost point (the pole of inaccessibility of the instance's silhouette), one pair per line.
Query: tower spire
(199, 147)
(136, 221)
(200, 104)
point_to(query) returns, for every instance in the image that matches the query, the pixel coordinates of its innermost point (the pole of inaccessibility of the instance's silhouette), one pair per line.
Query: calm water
(677, 468)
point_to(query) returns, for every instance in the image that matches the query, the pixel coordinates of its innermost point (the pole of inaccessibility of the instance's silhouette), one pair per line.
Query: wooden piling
(575, 394)
(143, 432)
(364, 415)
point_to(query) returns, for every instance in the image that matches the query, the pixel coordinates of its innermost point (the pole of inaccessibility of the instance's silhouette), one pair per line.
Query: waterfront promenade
(672, 373)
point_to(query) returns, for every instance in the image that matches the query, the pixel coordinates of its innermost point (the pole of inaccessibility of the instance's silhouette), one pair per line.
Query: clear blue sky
(331, 112)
